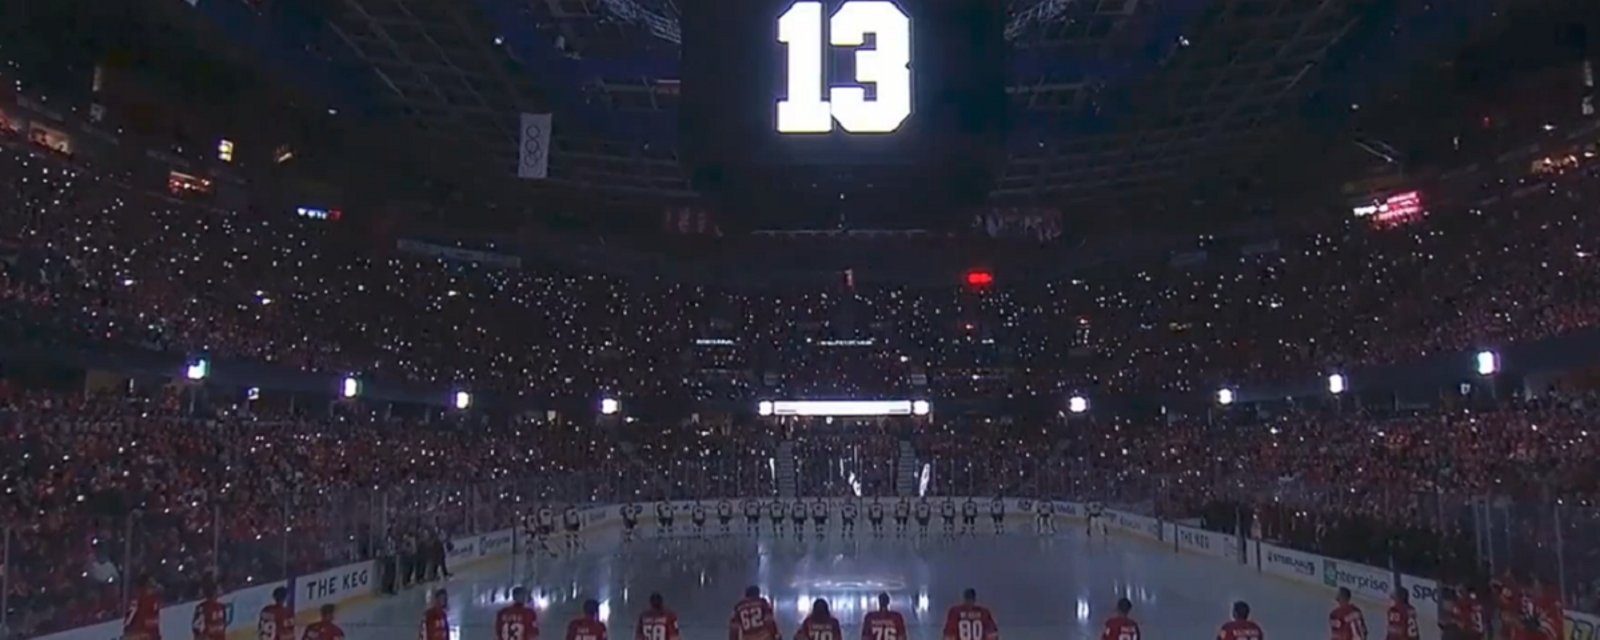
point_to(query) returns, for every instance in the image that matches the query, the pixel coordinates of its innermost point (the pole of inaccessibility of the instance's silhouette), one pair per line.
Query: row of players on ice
(753, 619)
(819, 512)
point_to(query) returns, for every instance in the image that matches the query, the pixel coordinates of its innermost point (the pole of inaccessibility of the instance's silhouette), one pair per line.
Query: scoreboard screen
(883, 85)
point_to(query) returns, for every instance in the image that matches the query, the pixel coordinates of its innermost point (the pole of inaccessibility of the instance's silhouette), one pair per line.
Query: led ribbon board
(847, 407)
(886, 66)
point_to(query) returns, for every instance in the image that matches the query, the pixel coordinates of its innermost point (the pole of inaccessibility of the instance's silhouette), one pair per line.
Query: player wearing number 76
(658, 622)
(970, 620)
(883, 624)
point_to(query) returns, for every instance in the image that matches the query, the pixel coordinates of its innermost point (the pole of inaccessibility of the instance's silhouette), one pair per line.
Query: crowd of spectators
(100, 489)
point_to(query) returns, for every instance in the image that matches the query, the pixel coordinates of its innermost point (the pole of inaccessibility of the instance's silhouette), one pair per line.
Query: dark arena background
(799, 319)
(927, 172)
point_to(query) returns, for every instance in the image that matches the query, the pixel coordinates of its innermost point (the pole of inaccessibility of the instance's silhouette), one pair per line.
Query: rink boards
(357, 582)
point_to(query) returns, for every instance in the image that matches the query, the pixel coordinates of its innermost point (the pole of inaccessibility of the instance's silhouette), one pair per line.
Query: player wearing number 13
(970, 620)
(820, 625)
(587, 626)
(436, 619)
(517, 621)
(883, 624)
(752, 618)
(658, 622)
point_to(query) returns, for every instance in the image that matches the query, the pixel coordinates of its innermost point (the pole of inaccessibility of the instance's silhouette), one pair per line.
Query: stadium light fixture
(350, 388)
(920, 407)
(1224, 396)
(610, 406)
(463, 400)
(197, 369)
(1077, 404)
(1337, 384)
(1488, 363)
(764, 408)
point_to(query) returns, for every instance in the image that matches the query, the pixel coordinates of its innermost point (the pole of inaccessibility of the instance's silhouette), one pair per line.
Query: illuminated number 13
(887, 65)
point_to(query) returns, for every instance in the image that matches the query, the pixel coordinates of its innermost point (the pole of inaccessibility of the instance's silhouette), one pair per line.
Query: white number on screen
(887, 65)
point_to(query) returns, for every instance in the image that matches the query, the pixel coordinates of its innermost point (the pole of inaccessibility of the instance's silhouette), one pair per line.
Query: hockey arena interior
(772, 319)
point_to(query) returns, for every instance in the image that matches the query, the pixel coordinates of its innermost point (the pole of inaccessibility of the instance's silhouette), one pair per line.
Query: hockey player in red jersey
(883, 624)
(1403, 618)
(210, 616)
(277, 619)
(517, 621)
(752, 618)
(143, 621)
(1346, 622)
(820, 624)
(658, 622)
(970, 620)
(436, 619)
(587, 626)
(1120, 626)
(324, 628)
(1241, 627)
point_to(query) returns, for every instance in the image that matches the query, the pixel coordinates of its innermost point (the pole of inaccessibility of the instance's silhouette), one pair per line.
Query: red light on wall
(979, 278)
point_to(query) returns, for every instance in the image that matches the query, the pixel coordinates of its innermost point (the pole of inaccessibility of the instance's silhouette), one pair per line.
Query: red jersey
(819, 628)
(210, 620)
(1470, 612)
(753, 620)
(516, 622)
(322, 630)
(435, 624)
(1240, 630)
(276, 623)
(586, 629)
(1403, 623)
(970, 622)
(883, 625)
(144, 618)
(656, 625)
(1345, 622)
(1121, 627)
(1549, 616)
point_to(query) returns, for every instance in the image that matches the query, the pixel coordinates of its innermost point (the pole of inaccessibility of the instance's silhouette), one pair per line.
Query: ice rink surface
(1054, 587)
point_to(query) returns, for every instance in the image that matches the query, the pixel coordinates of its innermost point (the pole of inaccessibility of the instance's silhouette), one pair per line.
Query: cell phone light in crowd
(1077, 404)
(1336, 383)
(1488, 363)
(463, 400)
(1224, 396)
(920, 407)
(198, 369)
(350, 388)
(764, 408)
(610, 406)
(225, 150)
(252, 394)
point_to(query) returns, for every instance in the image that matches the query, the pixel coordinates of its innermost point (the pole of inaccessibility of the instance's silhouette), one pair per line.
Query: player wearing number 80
(587, 626)
(970, 620)
(820, 625)
(658, 622)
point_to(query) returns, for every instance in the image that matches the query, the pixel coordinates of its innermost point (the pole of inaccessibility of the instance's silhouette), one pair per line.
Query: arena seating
(105, 487)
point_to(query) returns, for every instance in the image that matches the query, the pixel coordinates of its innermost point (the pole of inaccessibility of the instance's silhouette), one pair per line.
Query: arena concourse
(1375, 407)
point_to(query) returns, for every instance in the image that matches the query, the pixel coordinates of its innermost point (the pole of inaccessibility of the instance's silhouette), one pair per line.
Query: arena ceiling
(1113, 100)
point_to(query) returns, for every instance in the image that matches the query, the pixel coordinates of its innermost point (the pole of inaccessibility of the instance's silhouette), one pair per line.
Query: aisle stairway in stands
(906, 470)
(784, 468)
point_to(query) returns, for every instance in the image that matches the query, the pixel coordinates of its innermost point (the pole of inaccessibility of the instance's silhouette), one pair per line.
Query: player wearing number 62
(820, 625)
(658, 622)
(970, 620)
(883, 624)
(587, 626)
(752, 618)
